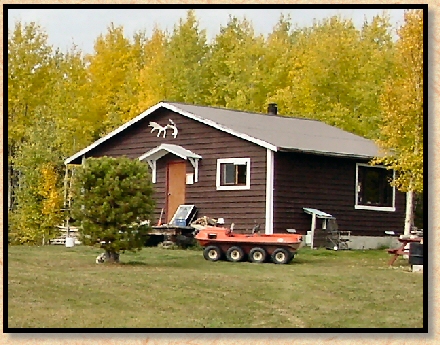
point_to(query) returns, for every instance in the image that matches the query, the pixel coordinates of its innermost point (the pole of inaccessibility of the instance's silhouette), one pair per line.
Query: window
(233, 173)
(373, 190)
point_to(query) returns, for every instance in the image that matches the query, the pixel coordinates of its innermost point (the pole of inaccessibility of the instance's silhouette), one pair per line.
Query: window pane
(241, 174)
(228, 173)
(374, 187)
(387, 197)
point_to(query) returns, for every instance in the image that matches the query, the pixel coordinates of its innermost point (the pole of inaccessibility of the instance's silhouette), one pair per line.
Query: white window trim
(373, 208)
(238, 161)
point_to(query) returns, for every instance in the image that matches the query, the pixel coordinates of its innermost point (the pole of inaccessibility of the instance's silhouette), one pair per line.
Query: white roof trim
(113, 133)
(179, 111)
(175, 149)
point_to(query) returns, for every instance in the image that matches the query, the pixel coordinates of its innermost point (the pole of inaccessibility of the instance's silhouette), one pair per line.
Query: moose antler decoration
(163, 129)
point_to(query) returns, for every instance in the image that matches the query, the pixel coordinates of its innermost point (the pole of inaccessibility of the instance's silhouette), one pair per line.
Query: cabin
(252, 168)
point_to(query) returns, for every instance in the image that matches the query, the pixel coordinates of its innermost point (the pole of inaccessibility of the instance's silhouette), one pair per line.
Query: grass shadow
(172, 264)
(133, 263)
(308, 261)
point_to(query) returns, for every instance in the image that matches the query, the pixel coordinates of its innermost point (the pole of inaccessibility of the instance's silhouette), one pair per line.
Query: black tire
(257, 255)
(235, 254)
(212, 253)
(280, 256)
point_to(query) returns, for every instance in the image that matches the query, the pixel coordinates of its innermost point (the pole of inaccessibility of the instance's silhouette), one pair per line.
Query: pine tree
(110, 198)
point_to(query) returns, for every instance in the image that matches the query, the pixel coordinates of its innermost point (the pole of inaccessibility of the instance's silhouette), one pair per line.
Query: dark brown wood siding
(328, 184)
(242, 207)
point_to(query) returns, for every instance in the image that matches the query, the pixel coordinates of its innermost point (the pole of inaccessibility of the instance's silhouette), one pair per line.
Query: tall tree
(39, 196)
(111, 78)
(234, 67)
(69, 106)
(331, 66)
(275, 61)
(321, 71)
(401, 136)
(375, 65)
(152, 77)
(29, 86)
(186, 52)
(29, 73)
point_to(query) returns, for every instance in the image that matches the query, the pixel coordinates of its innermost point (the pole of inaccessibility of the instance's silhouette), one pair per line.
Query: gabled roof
(277, 133)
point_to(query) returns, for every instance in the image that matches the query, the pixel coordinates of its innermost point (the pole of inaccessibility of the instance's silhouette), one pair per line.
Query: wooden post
(312, 229)
(66, 179)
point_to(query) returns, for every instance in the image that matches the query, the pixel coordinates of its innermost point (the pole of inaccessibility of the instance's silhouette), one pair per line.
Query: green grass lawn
(59, 287)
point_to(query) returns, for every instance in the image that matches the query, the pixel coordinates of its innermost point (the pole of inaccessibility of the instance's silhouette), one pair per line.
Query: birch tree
(152, 82)
(29, 74)
(186, 52)
(233, 67)
(110, 69)
(401, 136)
(335, 73)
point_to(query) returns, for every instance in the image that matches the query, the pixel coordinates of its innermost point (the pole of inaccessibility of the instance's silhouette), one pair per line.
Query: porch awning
(158, 152)
(318, 213)
(163, 149)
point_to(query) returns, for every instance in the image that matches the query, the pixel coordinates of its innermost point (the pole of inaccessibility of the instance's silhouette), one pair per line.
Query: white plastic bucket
(308, 238)
(70, 242)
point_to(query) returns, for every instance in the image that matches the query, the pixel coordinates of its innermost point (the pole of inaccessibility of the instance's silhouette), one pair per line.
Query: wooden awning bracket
(152, 164)
(195, 163)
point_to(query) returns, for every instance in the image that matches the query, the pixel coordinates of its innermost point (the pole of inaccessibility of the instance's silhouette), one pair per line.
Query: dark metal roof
(287, 133)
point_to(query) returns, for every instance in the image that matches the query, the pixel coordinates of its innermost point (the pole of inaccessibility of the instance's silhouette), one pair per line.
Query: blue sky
(82, 26)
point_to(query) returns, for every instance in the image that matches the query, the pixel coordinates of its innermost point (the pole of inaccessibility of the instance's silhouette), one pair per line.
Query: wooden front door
(176, 179)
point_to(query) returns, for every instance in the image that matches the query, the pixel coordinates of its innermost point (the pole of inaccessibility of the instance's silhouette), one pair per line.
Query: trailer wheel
(212, 253)
(280, 256)
(257, 255)
(235, 254)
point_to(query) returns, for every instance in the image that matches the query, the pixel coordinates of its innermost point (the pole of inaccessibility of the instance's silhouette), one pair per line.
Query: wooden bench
(58, 241)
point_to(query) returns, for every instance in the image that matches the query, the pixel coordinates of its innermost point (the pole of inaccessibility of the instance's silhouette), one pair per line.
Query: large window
(373, 189)
(233, 173)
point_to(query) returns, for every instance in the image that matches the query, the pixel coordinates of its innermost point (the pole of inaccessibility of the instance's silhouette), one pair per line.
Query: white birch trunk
(409, 217)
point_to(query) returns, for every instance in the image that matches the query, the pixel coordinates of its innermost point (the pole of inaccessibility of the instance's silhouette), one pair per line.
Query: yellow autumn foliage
(401, 137)
(52, 196)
